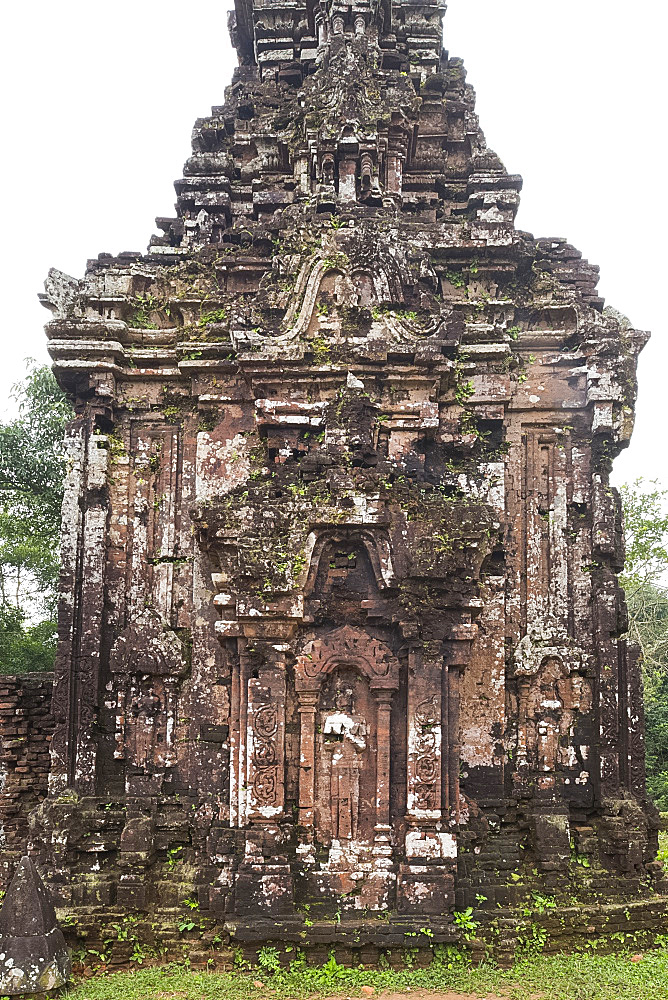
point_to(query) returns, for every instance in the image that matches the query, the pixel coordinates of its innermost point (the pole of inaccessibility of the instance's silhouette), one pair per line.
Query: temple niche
(147, 664)
(340, 632)
(549, 705)
(346, 683)
(345, 748)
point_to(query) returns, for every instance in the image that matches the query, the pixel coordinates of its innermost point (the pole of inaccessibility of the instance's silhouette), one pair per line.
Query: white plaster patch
(430, 845)
(221, 466)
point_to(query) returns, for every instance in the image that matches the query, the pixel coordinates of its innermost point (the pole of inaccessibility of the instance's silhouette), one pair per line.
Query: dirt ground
(430, 995)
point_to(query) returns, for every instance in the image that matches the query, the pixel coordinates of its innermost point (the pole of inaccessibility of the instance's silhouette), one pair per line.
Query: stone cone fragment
(33, 956)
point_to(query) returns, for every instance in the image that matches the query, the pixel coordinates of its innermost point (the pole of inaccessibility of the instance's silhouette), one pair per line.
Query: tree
(644, 579)
(32, 469)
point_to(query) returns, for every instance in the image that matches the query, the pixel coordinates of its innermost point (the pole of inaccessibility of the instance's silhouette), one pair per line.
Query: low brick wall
(602, 927)
(26, 726)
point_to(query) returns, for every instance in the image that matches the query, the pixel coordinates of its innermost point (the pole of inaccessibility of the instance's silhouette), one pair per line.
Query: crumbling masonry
(339, 618)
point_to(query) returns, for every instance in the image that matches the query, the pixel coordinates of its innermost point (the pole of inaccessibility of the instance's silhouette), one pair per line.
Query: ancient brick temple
(339, 618)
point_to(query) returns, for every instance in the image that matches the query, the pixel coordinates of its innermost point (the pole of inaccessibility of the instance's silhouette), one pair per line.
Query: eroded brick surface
(26, 726)
(339, 624)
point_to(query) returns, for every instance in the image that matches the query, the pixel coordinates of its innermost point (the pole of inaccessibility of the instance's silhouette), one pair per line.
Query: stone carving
(149, 662)
(546, 641)
(346, 740)
(61, 293)
(427, 760)
(145, 724)
(347, 645)
(265, 727)
(148, 646)
(341, 470)
(33, 957)
(549, 702)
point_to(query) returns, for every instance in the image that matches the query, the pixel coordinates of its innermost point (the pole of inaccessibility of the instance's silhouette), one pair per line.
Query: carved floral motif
(426, 755)
(264, 724)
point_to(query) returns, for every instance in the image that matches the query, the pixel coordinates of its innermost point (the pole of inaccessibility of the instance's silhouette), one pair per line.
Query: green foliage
(174, 856)
(531, 940)
(644, 579)
(321, 350)
(335, 261)
(645, 533)
(32, 469)
(212, 316)
(559, 977)
(456, 279)
(656, 719)
(25, 647)
(540, 903)
(269, 960)
(663, 849)
(143, 306)
(465, 921)
(464, 391)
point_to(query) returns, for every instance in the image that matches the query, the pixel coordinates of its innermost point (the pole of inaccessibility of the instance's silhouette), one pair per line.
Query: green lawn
(564, 977)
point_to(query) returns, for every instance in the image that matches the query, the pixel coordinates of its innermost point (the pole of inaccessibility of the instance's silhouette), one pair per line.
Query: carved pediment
(352, 289)
(547, 642)
(350, 647)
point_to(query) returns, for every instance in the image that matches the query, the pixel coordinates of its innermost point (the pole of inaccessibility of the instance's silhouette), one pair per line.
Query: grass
(561, 977)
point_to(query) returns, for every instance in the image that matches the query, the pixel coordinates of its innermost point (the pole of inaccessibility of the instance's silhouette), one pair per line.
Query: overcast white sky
(99, 100)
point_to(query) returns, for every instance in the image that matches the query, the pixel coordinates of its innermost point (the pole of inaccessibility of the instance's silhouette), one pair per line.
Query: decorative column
(265, 746)
(457, 653)
(75, 697)
(235, 726)
(308, 703)
(454, 678)
(394, 172)
(384, 713)
(383, 877)
(264, 880)
(425, 884)
(423, 793)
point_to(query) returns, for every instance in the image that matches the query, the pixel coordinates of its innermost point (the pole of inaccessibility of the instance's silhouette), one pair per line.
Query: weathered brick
(340, 595)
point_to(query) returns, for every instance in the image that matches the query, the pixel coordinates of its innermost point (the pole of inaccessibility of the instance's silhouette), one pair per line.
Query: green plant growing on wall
(456, 279)
(466, 922)
(212, 316)
(321, 350)
(531, 941)
(463, 391)
(143, 306)
(174, 856)
(268, 959)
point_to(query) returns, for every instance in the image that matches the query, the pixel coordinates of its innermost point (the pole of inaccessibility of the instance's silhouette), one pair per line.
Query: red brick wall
(25, 733)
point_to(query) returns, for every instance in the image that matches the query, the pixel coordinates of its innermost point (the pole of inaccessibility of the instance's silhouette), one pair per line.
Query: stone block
(33, 955)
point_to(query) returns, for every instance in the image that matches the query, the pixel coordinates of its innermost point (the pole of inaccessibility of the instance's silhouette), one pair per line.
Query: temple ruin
(341, 637)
